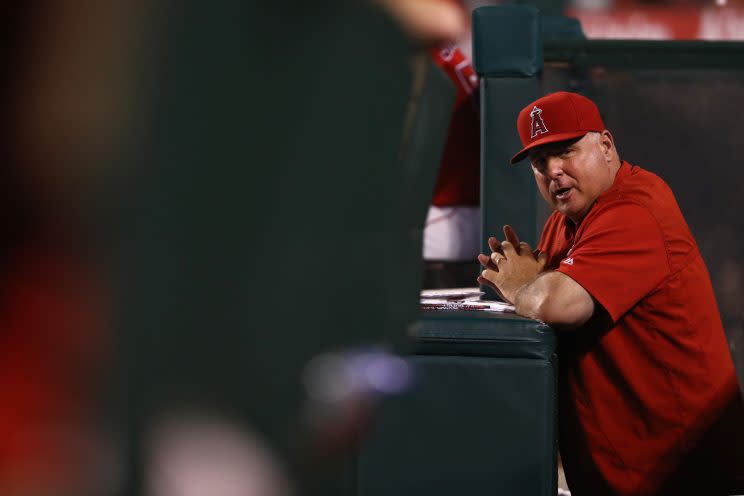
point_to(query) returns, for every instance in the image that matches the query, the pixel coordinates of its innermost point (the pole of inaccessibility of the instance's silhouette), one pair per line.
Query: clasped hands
(511, 266)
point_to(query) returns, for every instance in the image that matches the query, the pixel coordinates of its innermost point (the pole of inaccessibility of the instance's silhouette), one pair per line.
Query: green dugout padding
(481, 418)
(645, 54)
(507, 41)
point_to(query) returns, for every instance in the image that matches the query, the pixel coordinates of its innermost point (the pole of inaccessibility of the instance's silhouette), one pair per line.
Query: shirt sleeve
(619, 258)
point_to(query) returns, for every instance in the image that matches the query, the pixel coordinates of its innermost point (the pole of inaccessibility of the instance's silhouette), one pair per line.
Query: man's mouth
(562, 193)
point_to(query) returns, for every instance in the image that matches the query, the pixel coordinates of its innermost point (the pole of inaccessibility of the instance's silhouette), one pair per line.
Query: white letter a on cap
(538, 126)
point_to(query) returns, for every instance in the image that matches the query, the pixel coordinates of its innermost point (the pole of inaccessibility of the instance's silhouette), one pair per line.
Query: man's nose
(554, 167)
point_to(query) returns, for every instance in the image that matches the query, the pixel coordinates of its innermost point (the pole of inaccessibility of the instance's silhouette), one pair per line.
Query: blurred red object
(458, 182)
(52, 344)
(51, 355)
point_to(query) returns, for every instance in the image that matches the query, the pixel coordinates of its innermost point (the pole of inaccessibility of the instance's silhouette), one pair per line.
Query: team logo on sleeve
(538, 126)
(568, 261)
(447, 53)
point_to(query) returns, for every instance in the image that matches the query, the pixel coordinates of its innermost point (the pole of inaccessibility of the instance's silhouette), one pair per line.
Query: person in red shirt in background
(649, 402)
(452, 230)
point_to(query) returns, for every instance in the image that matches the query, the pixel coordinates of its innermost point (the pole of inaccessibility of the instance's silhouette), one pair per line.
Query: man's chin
(572, 213)
(563, 208)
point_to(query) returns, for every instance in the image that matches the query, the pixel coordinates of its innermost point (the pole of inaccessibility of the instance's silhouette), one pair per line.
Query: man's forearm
(529, 299)
(555, 299)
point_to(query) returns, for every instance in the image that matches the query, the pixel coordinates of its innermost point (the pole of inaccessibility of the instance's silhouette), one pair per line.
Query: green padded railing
(646, 54)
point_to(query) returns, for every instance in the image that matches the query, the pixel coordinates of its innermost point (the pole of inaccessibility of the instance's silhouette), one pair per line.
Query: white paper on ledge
(452, 293)
(477, 305)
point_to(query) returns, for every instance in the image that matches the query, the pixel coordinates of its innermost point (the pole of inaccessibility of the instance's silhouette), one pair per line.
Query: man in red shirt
(648, 397)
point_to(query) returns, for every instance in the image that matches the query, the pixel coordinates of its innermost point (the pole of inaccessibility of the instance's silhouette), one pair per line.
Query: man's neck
(614, 169)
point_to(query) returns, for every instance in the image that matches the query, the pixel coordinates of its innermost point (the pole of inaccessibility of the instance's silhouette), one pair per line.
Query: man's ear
(607, 143)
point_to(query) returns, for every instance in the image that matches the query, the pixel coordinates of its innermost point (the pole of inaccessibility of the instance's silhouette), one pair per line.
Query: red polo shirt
(638, 393)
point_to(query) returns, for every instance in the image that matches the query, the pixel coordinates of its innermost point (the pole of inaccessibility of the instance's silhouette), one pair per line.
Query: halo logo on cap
(538, 126)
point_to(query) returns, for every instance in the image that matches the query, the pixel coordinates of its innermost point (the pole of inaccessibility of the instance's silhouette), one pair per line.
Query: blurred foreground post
(268, 220)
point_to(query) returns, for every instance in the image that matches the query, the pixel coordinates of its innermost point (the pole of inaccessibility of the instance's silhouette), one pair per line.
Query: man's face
(572, 174)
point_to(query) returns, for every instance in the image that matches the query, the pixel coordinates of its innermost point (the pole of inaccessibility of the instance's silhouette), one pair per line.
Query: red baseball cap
(555, 117)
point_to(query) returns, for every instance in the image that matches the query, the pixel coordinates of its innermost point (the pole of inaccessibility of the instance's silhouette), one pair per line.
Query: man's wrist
(526, 301)
(517, 294)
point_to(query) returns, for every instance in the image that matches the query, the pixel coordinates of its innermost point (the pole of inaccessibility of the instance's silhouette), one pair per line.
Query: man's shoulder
(644, 197)
(641, 183)
(643, 188)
